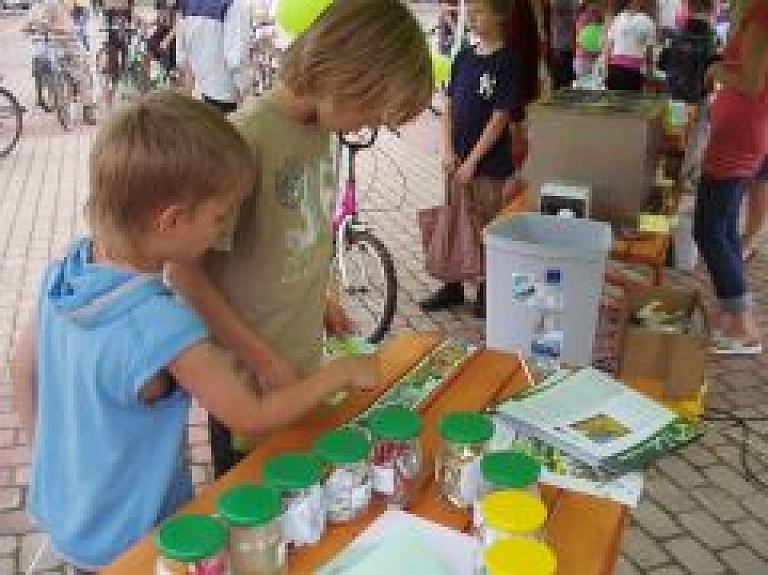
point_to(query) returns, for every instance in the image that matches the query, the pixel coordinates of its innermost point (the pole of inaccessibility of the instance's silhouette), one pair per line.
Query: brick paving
(698, 516)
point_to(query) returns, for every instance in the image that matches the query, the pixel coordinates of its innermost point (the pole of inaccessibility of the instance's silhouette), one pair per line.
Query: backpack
(685, 59)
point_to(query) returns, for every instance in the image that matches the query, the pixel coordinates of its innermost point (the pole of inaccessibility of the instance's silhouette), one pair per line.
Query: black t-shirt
(481, 84)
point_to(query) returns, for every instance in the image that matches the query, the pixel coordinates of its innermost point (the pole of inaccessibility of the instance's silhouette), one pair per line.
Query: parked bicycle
(363, 272)
(127, 63)
(64, 75)
(11, 114)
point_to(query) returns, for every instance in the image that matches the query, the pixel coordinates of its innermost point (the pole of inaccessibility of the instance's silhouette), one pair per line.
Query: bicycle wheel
(369, 294)
(63, 87)
(10, 122)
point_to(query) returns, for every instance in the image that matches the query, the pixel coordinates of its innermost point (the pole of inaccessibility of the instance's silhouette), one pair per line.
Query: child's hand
(337, 322)
(361, 371)
(451, 161)
(466, 172)
(276, 373)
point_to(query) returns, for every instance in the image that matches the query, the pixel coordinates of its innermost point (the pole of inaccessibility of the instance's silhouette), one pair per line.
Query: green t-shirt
(275, 270)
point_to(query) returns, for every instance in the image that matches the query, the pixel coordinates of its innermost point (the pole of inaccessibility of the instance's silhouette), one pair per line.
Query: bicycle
(64, 77)
(363, 271)
(11, 114)
(128, 64)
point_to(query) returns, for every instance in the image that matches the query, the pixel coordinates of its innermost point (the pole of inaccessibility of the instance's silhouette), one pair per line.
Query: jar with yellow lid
(519, 557)
(510, 514)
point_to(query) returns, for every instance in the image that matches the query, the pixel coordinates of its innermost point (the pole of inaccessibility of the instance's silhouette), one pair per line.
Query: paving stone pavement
(699, 515)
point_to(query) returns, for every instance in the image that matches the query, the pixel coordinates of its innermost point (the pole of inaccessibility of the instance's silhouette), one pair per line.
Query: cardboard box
(613, 152)
(666, 340)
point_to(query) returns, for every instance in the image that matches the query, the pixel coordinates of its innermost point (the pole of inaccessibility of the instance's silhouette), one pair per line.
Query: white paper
(452, 548)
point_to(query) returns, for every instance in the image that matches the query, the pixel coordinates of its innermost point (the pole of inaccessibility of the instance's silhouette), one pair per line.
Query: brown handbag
(452, 238)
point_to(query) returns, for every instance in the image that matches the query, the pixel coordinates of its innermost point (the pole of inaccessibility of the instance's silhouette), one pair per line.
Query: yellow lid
(513, 511)
(520, 557)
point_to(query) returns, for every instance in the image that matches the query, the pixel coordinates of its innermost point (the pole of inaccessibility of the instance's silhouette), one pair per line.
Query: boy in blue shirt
(484, 110)
(106, 370)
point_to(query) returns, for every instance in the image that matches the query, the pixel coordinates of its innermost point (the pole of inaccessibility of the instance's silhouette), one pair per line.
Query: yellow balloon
(441, 68)
(295, 16)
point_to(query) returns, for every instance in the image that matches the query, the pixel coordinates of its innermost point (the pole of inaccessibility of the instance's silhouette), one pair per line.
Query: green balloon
(591, 37)
(441, 68)
(295, 16)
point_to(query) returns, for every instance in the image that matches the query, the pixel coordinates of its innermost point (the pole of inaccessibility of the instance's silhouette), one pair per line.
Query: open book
(597, 420)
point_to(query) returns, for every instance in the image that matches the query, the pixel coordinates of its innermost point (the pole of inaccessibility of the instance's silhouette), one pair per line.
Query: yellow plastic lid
(520, 557)
(513, 511)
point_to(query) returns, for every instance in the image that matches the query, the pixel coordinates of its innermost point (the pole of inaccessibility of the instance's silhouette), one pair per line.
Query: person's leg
(757, 206)
(223, 454)
(624, 79)
(716, 220)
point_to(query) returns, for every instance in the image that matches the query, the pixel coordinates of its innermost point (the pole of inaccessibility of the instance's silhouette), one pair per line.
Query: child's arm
(24, 377)
(492, 132)
(195, 286)
(450, 160)
(206, 373)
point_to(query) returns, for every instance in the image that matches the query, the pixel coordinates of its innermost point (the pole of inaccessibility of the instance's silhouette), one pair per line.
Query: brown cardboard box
(663, 352)
(614, 153)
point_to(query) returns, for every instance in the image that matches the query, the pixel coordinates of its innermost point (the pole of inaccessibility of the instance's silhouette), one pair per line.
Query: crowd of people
(206, 271)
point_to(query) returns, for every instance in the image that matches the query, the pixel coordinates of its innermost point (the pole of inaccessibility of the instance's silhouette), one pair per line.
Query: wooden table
(585, 531)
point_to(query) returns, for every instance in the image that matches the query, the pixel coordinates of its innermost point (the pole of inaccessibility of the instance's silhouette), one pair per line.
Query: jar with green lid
(507, 470)
(297, 476)
(347, 475)
(252, 513)
(465, 438)
(397, 456)
(519, 557)
(191, 544)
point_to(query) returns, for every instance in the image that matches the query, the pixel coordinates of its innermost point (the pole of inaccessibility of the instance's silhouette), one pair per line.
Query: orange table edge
(585, 531)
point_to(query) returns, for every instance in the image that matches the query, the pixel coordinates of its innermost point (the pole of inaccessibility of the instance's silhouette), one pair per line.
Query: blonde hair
(372, 53)
(164, 149)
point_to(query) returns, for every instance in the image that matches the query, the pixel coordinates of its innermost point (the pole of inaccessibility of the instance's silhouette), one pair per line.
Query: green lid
(345, 445)
(465, 427)
(190, 538)
(250, 505)
(510, 469)
(291, 471)
(395, 423)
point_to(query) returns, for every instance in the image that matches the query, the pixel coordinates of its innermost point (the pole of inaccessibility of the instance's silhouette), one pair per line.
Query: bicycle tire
(383, 298)
(9, 103)
(63, 96)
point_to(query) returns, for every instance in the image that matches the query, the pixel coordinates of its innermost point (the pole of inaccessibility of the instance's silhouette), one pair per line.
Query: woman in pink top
(735, 155)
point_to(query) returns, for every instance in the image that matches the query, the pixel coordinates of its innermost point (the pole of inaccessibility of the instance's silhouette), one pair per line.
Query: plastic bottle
(547, 340)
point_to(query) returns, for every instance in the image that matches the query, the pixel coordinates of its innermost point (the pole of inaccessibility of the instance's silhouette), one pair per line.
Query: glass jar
(465, 437)
(297, 477)
(256, 544)
(348, 478)
(397, 458)
(506, 470)
(511, 514)
(191, 544)
(519, 557)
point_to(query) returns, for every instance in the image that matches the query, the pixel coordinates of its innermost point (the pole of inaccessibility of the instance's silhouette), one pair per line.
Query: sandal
(730, 345)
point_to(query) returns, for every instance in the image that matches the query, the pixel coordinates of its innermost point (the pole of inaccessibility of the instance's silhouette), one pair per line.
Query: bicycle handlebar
(364, 139)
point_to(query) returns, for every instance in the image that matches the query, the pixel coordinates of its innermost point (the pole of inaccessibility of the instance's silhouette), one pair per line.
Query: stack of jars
(501, 470)
(465, 440)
